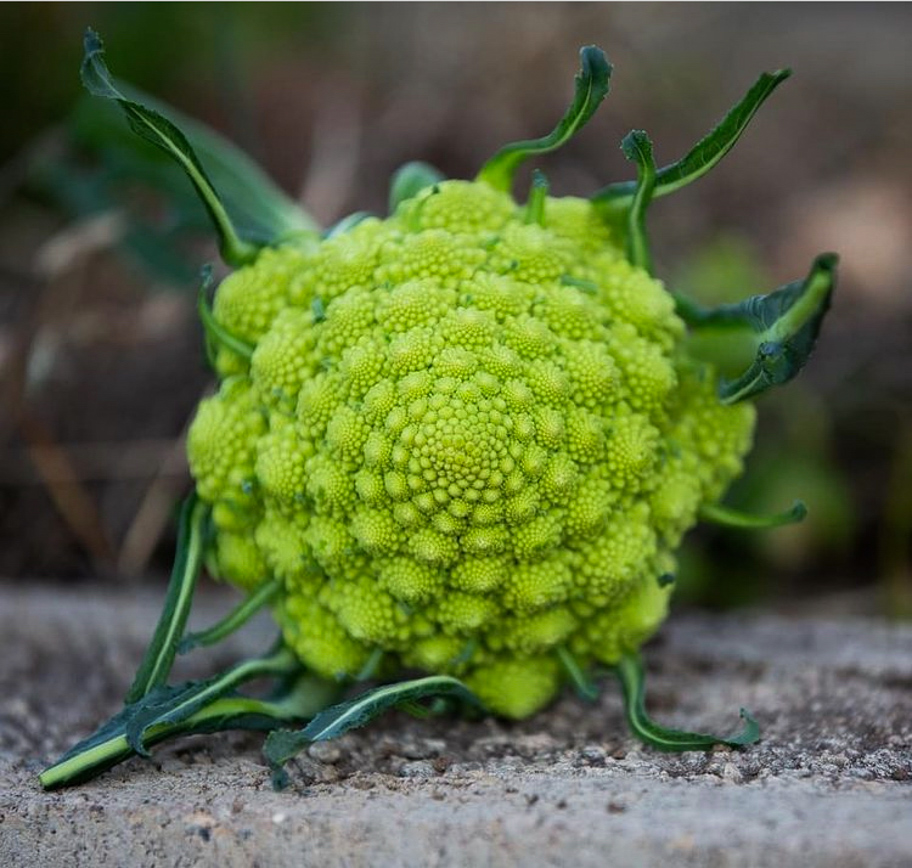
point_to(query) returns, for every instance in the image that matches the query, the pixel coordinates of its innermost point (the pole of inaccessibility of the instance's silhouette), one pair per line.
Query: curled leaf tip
(591, 87)
(633, 683)
(703, 156)
(637, 147)
(156, 129)
(786, 324)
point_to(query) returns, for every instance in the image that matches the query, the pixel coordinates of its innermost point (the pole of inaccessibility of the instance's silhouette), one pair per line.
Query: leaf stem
(182, 703)
(591, 87)
(216, 333)
(155, 128)
(195, 707)
(704, 155)
(234, 620)
(637, 146)
(232, 712)
(584, 685)
(728, 517)
(630, 673)
(538, 194)
(159, 657)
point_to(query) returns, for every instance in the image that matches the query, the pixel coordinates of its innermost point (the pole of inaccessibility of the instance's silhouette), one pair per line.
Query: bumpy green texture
(464, 439)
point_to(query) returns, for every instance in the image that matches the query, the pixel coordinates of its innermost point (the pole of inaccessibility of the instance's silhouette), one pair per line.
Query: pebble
(325, 752)
(417, 769)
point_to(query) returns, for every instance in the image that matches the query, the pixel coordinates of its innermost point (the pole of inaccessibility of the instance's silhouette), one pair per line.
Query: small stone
(732, 774)
(325, 752)
(417, 769)
(593, 755)
(419, 749)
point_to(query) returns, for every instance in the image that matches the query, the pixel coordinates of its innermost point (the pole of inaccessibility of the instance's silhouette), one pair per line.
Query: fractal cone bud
(462, 438)
(455, 448)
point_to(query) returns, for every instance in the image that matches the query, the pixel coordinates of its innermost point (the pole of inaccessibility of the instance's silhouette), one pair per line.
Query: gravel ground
(829, 785)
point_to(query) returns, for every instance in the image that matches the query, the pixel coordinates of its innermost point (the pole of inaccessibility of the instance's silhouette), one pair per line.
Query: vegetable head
(464, 440)
(464, 437)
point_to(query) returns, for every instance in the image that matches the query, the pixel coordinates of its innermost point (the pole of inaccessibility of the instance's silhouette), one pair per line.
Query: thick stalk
(216, 712)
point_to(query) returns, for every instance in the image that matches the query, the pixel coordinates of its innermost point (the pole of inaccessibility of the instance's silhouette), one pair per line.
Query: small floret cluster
(467, 439)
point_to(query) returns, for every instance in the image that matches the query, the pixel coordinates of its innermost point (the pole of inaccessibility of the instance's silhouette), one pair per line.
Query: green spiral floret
(459, 430)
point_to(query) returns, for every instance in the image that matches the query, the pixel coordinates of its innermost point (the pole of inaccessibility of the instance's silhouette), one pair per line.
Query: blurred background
(101, 360)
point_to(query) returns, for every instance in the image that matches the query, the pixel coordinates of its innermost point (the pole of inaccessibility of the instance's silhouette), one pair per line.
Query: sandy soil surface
(829, 785)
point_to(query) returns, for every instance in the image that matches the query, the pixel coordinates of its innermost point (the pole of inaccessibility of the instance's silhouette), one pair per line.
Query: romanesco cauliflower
(464, 439)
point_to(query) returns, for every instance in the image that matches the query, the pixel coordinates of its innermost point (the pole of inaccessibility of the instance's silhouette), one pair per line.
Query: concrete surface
(829, 785)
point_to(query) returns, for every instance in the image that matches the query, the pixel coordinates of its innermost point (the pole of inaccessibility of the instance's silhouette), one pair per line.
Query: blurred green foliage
(793, 458)
(162, 45)
(442, 82)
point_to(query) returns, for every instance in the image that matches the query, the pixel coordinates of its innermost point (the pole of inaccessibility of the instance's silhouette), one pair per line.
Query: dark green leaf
(723, 515)
(282, 745)
(259, 210)
(110, 745)
(705, 154)
(785, 324)
(592, 84)
(159, 657)
(409, 180)
(630, 674)
(637, 147)
(174, 706)
(155, 128)
(234, 620)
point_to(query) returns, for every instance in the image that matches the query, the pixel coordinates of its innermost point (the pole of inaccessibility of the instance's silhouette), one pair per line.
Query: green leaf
(110, 745)
(637, 146)
(169, 705)
(259, 209)
(705, 154)
(282, 745)
(155, 128)
(630, 674)
(341, 718)
(727, 517)
(159, 657)
(409, 180)
(234, 620)
(785, 323)
(584, 685)
(592, 85)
